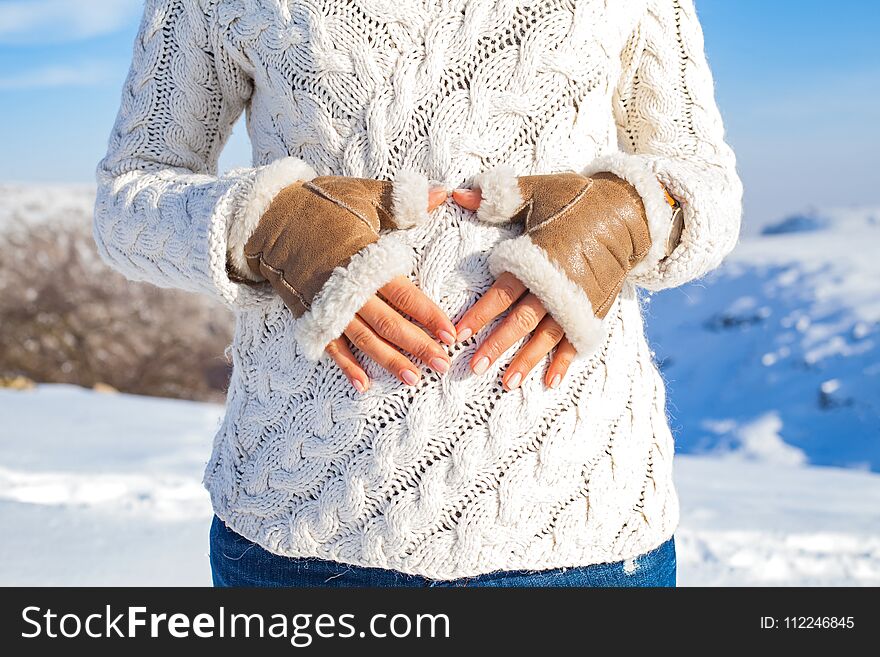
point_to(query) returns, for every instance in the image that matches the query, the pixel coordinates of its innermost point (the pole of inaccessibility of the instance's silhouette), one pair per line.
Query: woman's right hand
(381, 331)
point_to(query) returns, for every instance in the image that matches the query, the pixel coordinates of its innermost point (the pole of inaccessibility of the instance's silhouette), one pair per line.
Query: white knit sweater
(455, 476)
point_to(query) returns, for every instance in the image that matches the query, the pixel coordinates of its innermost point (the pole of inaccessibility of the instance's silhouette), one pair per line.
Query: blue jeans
(236, 561)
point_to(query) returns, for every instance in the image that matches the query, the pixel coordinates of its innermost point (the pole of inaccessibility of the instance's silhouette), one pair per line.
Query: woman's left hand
(527, 315)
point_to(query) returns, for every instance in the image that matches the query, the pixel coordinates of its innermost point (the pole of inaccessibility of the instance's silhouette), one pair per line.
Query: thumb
(436, 197)
(469, 199)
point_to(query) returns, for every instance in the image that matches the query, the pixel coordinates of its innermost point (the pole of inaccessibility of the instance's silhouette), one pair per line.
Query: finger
(522, 320)
(436, 197)
(404, 295)
(498, 298)
(560, 362)
(403, 334)
(340, 352)
(365, 338)
(546, 336)
(469, 199)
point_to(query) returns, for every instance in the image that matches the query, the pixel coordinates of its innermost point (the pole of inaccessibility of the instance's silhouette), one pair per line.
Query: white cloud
(53, 21)
(83, 74)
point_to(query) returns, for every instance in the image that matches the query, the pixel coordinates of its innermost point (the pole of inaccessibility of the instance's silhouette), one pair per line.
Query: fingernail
(481, 365)
(554, 382)
(464, 334)
(514, 380)
(409, 377)
(439, 364)
(462, 190)
(446, 336)
(359, 385)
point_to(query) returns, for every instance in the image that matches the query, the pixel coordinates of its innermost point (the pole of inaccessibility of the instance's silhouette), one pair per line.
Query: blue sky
(798, 83)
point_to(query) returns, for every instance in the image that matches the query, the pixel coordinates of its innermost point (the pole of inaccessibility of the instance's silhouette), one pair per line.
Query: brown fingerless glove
(582, 236)
(319, 245)
(314, 226)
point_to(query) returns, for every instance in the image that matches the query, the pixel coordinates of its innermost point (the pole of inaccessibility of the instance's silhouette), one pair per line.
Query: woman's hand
(527, 316)
(380, 331)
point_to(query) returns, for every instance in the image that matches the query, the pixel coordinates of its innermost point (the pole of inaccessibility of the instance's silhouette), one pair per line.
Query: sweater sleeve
(162, 214)
(670, 129)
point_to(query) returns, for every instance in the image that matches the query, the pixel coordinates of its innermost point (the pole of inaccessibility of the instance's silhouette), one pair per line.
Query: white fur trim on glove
(348, 289)
(639, 172)
(566, 302)
(500, 194)
(269, 181)
(409, 199)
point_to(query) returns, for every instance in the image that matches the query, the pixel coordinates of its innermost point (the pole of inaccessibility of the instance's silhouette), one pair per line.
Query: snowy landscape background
(773, 374)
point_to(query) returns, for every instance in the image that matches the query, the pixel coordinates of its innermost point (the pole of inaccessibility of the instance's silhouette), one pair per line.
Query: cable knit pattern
(455, 476)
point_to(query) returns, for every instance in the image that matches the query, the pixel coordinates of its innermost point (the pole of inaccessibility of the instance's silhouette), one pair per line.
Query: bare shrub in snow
(65, 317)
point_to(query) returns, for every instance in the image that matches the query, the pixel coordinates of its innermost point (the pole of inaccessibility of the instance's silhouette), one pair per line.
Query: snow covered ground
(105, 489)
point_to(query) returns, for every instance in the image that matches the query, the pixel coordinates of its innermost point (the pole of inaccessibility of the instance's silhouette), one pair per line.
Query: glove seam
(605, 306)
(317, 189)
(618, 286)
(588, 185)
(281, 276)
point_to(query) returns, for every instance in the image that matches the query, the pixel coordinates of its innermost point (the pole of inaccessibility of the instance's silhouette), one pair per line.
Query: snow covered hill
(776, 356)
(21, 202)
(105, 489)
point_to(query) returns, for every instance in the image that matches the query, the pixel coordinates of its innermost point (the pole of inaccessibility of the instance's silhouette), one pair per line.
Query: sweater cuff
(639, 171)
(347, 289)
(269, 181)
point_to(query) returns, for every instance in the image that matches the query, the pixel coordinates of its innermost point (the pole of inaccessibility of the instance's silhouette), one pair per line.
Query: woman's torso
(456, 476)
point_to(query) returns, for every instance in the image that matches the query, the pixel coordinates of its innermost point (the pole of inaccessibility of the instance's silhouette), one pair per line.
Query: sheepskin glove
(582, 236)
(325, 246)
